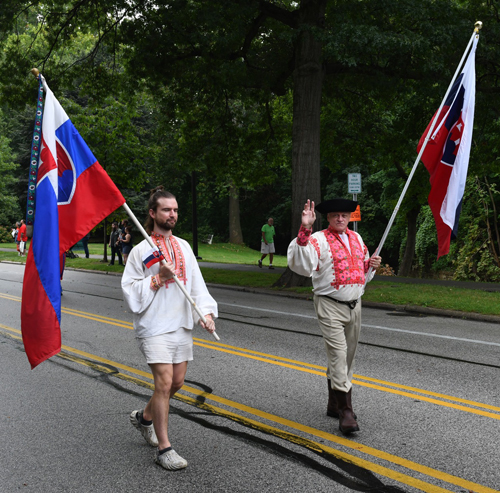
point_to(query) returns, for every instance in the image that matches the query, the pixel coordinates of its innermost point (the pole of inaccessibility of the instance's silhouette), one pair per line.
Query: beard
(168, 225)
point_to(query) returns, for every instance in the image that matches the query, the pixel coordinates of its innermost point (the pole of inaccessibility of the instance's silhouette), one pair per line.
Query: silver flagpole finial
(478, 25)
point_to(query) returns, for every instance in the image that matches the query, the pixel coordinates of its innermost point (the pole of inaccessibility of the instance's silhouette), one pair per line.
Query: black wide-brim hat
(337, 205)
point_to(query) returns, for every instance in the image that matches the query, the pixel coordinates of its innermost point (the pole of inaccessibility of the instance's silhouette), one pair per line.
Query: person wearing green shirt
(267, 242)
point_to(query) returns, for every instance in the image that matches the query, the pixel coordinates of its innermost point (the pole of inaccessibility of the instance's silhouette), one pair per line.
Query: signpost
(354, 187)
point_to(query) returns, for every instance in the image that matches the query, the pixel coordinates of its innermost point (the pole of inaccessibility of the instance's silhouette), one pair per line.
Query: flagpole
(37, 74)
(164, 262)
(477, 26)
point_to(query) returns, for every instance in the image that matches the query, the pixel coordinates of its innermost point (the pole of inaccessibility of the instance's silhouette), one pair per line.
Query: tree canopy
(254, 93)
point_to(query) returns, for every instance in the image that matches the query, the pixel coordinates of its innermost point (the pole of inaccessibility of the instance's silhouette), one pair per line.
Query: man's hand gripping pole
(164, 262)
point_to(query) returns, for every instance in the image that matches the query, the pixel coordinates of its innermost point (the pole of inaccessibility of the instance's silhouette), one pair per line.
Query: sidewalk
(489, 287)
(484, 286)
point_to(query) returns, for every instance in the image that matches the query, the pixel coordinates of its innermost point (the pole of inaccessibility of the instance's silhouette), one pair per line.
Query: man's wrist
(156, 282)
(303, 236)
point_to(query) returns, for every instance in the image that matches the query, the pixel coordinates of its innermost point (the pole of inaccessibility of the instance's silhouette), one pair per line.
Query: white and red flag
(446, 155)
(73, 194)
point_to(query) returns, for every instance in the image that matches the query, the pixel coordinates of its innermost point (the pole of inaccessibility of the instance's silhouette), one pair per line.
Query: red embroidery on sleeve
(303, 236)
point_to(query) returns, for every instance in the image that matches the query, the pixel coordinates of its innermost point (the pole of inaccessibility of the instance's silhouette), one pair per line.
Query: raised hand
(308, 215)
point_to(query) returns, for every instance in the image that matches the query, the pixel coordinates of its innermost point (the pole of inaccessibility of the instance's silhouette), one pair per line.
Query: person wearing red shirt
(22, 237)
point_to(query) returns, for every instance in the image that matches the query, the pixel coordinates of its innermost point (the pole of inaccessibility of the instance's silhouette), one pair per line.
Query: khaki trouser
(340, 327)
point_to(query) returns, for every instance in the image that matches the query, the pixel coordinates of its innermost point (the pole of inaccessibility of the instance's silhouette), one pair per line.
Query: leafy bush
(426, 241)
(6, 235)
(476, 254)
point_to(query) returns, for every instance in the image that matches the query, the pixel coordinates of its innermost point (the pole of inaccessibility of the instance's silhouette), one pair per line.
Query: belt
(351, 304)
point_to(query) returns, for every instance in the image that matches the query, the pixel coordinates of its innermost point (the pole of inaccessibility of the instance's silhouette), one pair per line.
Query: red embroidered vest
(350, 266)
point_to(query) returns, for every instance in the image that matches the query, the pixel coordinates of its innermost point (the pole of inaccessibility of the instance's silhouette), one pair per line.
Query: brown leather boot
(332, 410)
(347, 421)
(349, 403)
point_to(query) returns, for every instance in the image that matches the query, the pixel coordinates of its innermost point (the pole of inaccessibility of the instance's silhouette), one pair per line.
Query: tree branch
(279, 14)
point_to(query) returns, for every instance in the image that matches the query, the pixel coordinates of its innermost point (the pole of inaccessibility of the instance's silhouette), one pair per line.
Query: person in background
(127, 243)
(114, 244)
(85, 243)
(267, 242)
(22, 238)
(15, 233)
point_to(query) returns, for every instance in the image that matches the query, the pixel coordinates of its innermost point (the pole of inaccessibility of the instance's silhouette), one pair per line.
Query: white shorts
(269, 248)
(172, 347)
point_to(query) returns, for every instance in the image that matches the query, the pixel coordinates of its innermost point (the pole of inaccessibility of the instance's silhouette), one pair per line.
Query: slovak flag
(446, 155)
(151, 257)
(73, 194)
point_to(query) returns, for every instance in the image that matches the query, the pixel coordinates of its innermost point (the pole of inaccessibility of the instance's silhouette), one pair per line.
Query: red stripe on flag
(41, 334)
(95, 198)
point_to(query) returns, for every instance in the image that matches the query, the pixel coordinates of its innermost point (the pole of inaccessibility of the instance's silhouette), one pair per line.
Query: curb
(423, 310)
(106, 273)
(94, 271)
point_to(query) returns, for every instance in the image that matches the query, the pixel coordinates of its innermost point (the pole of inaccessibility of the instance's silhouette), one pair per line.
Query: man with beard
(164, 318)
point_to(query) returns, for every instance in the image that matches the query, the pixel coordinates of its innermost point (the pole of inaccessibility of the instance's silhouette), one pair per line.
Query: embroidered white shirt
(315, 259)
(158, 311)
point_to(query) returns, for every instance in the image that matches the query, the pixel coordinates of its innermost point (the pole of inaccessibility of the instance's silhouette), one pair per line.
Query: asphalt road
(251, 416)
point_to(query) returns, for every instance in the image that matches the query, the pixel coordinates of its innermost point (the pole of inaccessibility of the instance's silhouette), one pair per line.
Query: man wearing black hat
(337, 260)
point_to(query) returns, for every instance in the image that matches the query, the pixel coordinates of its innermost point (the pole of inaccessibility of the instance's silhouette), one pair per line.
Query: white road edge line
(439, 336)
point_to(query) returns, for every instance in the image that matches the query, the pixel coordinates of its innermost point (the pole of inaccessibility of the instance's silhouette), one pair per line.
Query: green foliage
(474, 253)
(426, 242)
(114, 119)
(478, 246)
(9, 206)
(161, 90)
(109, 128)
(6, 235)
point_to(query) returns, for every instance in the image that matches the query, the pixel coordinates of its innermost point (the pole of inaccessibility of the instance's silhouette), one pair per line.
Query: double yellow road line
(397, 468)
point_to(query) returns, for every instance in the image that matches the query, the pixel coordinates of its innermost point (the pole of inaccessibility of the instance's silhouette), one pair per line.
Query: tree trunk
(235, 234)
(411, 237)
(307, 88)
(290, 279)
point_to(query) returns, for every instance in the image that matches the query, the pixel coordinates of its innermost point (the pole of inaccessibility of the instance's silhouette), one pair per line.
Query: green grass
(435, 296)
(227, 253)
(260, 279)
(94, 248)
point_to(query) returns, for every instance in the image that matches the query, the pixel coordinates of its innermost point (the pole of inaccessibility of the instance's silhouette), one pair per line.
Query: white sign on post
(354, 182)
